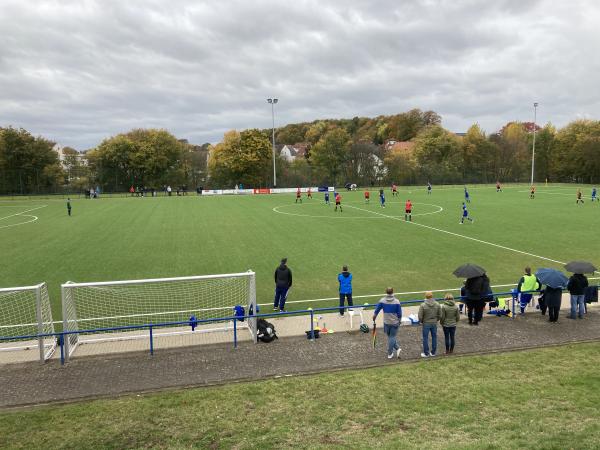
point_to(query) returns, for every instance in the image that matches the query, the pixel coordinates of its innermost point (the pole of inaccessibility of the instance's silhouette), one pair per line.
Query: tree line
(359, 150)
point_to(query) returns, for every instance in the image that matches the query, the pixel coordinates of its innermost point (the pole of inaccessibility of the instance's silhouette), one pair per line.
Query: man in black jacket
(477, 289)
(283, 282)
(576, 286)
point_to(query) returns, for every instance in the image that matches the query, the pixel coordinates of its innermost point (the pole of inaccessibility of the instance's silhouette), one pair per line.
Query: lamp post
(273, 101)
(535, 105)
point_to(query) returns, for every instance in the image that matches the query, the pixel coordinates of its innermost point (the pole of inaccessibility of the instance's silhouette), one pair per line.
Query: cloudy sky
(83, 70)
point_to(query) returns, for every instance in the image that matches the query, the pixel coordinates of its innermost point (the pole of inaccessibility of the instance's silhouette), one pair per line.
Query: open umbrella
(469, 271)
(552, 277)
(580, 267)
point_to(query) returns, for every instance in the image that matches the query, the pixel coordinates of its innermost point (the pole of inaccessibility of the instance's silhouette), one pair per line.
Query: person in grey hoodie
(429, 315)
(449, 318)
(392, 314)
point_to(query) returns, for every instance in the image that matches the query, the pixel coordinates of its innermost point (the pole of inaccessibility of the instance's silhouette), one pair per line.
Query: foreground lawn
(545, 398)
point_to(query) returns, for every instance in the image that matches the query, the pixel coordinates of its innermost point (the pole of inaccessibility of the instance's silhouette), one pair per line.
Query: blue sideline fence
(235, 319)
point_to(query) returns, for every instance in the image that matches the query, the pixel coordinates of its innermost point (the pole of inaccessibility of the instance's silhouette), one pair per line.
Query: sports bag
(265, 331)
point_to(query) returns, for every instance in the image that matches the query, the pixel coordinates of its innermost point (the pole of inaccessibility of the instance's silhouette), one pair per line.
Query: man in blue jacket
(345, 280)
(392, 315)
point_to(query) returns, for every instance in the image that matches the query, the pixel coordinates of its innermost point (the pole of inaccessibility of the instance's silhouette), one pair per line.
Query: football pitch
(124, 238)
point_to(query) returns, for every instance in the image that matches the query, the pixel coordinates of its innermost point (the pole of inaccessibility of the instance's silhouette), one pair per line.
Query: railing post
(62, 349)
(151, 341)
(312, 325)
(234, 332)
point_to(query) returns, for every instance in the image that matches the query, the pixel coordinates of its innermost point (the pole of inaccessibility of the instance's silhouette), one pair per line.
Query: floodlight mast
(535, 105)
(273, 101)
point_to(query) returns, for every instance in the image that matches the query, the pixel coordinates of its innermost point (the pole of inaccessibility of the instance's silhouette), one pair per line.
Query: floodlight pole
(272, 101)
(535, 105)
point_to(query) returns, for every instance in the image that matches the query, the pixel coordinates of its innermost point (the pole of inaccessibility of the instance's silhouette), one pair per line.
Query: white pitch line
(34, 218)
(23, 212)
(463, 236)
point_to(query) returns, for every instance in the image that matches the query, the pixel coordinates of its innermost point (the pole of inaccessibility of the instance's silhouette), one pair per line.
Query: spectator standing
(477, 289)
(576, 286)
(283, 283)
(345, 280)
(552, 300)
(448, 319)
(429, 315)
(392, 314)
(526, 284)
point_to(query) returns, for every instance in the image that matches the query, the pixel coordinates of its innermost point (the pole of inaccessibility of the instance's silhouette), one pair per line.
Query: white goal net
(25, 311)
(102, 306)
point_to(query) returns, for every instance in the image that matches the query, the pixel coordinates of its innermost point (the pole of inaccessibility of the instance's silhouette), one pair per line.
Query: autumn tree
(331, 152)
(241, 158)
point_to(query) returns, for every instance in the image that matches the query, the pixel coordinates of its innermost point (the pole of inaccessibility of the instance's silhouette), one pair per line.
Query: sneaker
(275, 309)
(431, 355)
(398, 353)
(282, 310)
(424, 355)
(390, 356)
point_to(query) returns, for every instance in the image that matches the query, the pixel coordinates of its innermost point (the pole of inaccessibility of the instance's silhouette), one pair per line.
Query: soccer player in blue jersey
(467, 197)
(465, 214)
(594, 193)
(381, 198)
(326, 197)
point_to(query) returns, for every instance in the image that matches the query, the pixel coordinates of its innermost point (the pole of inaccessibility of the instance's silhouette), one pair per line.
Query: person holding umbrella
(477, 287)
(576, 286)
(555, 282)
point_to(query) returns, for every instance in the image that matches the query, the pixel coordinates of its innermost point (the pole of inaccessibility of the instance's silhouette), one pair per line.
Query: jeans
(349, 298)
(391, 331)
(577, 301)
(280, 297)
(449, 337)
(429, 328)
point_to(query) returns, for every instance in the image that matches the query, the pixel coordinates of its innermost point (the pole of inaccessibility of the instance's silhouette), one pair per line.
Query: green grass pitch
(134, 238)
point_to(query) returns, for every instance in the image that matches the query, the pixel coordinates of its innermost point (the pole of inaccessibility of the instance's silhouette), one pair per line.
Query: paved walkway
(117, 374)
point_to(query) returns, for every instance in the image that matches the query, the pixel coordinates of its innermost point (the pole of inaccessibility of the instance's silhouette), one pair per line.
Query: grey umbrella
(552, 277)
(469, 271)
(580, 267)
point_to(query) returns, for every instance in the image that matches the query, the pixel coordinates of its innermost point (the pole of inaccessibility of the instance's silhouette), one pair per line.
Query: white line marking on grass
(551, 193)
(463, 236)
(276, 209)
(33, 219)
(23, 212)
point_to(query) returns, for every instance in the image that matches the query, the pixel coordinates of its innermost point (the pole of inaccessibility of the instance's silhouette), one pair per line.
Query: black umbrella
(469, 271)
(552, 277)
(580, 267)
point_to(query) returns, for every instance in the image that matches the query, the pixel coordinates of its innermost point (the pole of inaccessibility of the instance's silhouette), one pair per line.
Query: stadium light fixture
(273, 101)
(535, 105)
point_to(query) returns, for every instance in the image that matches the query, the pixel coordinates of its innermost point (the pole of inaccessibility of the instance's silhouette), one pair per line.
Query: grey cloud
(80, 71)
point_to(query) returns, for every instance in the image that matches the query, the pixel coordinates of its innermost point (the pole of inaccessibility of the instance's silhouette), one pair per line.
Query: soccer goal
(109, 304)
(25, 311)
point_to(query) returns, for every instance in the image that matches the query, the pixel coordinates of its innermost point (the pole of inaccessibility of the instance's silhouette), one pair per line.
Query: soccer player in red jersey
(532, 192)
(309, 193)
(367, 196)
(338, 202)
(498, 187)
(298, 195)
(408, 210)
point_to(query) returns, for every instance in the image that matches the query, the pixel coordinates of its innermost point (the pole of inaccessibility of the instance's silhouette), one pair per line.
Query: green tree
(241, 158)
(438, 152)
(361, 162)
(141, 157)
(27, 163)
(330, 153)
(577, 152)
(544, 147)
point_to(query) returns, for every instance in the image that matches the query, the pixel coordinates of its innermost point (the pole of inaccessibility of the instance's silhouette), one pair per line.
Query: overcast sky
(80, 71)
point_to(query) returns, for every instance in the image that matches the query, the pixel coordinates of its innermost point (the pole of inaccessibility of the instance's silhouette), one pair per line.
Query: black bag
(265, 331)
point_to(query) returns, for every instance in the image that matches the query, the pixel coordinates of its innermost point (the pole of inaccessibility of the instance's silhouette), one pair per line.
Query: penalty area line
(463, 236)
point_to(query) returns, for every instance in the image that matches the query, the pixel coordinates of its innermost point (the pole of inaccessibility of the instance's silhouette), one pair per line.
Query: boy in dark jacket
(283, 282)
(345, 280)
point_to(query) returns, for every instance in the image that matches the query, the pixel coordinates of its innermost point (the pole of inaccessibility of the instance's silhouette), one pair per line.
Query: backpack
(265, 331)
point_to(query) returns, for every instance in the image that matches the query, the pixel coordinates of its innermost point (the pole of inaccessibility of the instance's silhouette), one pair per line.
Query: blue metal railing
(62, 335)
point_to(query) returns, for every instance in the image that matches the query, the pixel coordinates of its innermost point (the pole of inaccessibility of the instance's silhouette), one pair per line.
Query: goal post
(110, 304)
(26, 311)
